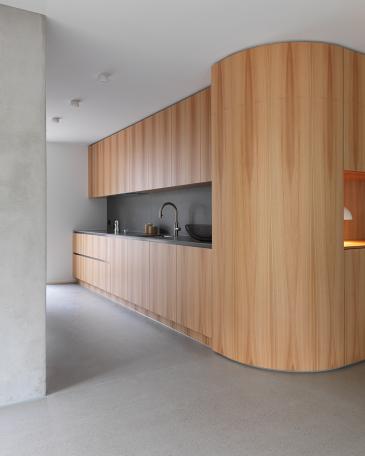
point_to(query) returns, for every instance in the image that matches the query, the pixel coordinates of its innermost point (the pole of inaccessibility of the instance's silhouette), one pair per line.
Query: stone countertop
(181, 240)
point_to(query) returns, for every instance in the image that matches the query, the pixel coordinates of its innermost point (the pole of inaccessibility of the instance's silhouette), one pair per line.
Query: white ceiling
(160, 51)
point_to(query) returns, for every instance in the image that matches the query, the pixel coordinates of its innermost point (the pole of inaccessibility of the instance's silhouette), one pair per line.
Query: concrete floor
(121, 385)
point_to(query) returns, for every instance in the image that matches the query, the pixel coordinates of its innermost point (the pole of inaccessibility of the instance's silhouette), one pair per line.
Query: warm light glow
(354, 244)
(347, 214)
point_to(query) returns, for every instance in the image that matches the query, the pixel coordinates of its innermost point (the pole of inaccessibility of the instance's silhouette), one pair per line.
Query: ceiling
(159, 51)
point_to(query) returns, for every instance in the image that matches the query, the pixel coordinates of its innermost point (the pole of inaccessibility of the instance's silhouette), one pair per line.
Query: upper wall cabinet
(191, 139)
(138, 158)
(354, 111)
(169, 148)
(158, 144)
(108, 165)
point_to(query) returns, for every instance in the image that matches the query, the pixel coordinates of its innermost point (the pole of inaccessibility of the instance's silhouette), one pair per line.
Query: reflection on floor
(120, 384)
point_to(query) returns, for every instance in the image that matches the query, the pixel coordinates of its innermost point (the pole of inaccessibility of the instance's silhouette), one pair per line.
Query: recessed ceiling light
(75, 102)
(57, 119)
(103, 77)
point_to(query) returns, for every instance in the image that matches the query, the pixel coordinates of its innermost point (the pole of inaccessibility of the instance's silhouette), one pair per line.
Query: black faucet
(176, 224)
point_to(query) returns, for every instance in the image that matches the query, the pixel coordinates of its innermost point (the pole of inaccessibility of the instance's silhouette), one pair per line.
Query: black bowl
(202, 233)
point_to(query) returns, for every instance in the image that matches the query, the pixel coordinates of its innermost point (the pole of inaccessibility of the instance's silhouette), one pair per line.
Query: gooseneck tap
(176, 224)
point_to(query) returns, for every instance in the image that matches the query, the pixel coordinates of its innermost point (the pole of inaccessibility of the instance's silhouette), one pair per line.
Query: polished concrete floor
(121, 385)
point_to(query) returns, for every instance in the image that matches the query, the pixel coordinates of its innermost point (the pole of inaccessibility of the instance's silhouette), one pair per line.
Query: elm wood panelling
(118, 267)
(123, 156)
(205, 136)
(355, 305)
(277, 119)
(354, 197)
(91, 271)
(92, 172)
(138, 157)
(158, 144)
(138, 273)
(194, 289)
(354, 110)
(186, 141)
(91, 245)
(147, 313)
(162, 290)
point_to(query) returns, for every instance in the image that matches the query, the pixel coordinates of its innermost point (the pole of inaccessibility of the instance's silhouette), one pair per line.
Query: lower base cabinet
(118, 267)
(170, 283)
(138, 273)
(92, 271)
(194, 289)
(163, 280)
(354, 305)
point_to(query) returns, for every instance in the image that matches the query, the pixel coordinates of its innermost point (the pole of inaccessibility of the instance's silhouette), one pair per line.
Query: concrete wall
(68, 206)
(22, 205)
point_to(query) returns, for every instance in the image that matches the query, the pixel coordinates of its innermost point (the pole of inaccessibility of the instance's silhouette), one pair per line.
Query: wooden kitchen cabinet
(354, 111)
(92, 163)
(354, 305)
(191, 140)
(138, 158)
(123, 155)
(158, 145)
(91, 271)
(205, 136)
(194, 289)
(90, 245)
(186, 129)
(118, 267)
(162, 288)
(138, 273)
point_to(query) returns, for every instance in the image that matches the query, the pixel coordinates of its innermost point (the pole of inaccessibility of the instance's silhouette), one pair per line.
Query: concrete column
(22, 205)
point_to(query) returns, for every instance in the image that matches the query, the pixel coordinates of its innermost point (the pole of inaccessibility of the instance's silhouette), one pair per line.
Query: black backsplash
(135, 209)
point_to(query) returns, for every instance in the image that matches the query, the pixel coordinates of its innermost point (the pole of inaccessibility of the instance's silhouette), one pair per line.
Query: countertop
(181, 240)
(354, 245)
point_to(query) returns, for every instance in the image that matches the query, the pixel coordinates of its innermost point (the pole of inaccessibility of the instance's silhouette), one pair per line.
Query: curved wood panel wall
(277, 118)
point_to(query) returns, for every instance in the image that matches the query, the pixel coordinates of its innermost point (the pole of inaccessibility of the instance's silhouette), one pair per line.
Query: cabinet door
(92, 246)
(138, 272)
(205, 142)
(354, 305)
(194, 289)
(106, 157)
(91, 271)
(138, 159)
(354, 111)
(163, 280)
(99, 169)
(186, 138)
(113, 165)
(123, 161)
(158, 145)
(118, 267)
(92, 163)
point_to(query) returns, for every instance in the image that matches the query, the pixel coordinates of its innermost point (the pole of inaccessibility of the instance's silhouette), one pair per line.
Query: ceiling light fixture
(75, 102)
(103, 77)
(57, 119)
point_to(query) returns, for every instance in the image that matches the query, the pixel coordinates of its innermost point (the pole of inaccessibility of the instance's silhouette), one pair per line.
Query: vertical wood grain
(205, 136)
(118, 267)
(158, 145)
(354, 110)
(194, 289)
(277, 116)
(186, 135)
(162, 288)
(123, 155)
(138, 273)
(138, 157)
(355, 305)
